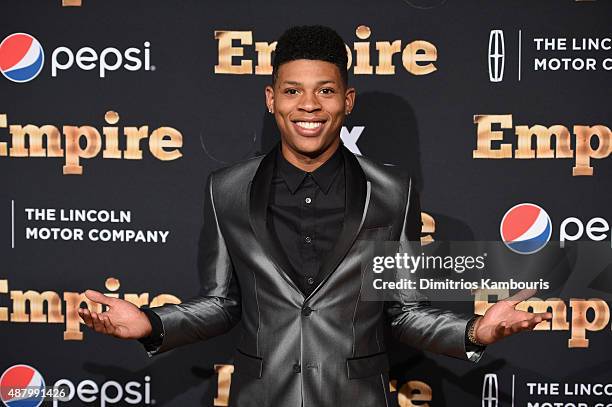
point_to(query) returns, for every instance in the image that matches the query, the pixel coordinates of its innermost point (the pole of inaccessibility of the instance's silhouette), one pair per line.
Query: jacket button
(297, 368)
(306, 311)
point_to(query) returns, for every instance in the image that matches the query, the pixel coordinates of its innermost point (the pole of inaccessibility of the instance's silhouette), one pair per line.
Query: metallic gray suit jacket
(325, 349)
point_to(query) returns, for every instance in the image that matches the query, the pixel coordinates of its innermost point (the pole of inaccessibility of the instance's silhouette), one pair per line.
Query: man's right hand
(122, 319)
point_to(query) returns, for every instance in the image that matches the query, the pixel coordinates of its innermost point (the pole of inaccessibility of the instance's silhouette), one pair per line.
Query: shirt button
(308, 200)
(308, 239)
(306, 311)
(297, 368)
(310, 280)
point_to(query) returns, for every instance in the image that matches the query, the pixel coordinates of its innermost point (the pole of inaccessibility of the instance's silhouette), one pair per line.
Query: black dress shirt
(305, 214)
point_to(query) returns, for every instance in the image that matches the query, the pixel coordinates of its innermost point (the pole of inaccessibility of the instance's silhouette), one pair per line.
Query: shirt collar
(323, 175)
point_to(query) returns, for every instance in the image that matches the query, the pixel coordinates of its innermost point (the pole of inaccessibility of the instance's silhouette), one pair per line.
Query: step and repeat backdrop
(113, 113)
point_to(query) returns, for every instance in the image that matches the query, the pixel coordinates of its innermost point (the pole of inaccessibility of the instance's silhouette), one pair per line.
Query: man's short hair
(315, 42)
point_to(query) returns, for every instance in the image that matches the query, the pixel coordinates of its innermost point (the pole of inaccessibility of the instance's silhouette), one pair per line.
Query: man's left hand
(502, 319)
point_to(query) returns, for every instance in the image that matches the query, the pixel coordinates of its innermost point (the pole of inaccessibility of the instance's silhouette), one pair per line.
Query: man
(277, 250)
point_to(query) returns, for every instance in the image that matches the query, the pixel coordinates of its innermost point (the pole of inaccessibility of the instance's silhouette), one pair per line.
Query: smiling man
(278, 251)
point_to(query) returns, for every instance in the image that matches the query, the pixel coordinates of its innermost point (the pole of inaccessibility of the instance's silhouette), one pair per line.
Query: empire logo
(46, 307)
(85, 142)
(587, 315)
(417, 57)
(588, 142)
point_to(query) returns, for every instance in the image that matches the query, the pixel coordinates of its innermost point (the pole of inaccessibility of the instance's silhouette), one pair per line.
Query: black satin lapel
(259, 195)
(354, 206)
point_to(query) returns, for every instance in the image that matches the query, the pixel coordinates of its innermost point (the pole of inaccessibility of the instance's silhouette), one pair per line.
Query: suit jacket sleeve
(413, 320)
(217, 307)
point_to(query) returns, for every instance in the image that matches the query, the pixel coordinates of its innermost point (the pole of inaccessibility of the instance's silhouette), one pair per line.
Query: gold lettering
(46, 307)
(18, 148)
(427, 229)
(112, 284)
(227, 51)
(580, 322)
(544, 137)
(418, 56)
(420, 51)
(386, 50)
(36, 301)
(584, 150)
(349, 55)
(3, 145)
(85, 142)
(164, 299)
(35, 141)
(554, 305)
(414, 390)
(486, 136)
(74, 152)
(264, 57)
(137, 300)
(224, 381)
(111, 136)
(166, 137)
(363, 67)
(3, 290)
(134, 135)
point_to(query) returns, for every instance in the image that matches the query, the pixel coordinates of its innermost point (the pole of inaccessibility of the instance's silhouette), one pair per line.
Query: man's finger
(98, 326)
(519, 326)
(86, 317)
(534, 321)
(521, 296)
(539, 317)
(99, 297)
(545, 315)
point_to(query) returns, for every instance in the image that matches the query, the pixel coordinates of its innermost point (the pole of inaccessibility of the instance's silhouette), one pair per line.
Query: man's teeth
(309, 125)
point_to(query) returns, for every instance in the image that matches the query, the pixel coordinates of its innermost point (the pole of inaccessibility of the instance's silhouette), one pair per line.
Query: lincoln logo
(489, 390)
(497, 54)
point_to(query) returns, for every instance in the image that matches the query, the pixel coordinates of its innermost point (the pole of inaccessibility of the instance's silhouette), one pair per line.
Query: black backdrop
(422, 122)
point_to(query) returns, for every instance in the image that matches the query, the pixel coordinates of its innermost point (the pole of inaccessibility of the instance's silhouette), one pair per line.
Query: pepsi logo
(22, 386)
(525, 228)
(21, 57)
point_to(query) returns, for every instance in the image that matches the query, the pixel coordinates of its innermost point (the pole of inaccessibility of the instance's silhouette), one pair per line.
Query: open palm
(122, 318)
(502, 319)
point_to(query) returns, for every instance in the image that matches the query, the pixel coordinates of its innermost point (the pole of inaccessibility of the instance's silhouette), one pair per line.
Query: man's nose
(309, 102)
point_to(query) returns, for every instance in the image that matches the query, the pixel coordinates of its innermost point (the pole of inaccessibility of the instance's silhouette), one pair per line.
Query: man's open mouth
(309, 125)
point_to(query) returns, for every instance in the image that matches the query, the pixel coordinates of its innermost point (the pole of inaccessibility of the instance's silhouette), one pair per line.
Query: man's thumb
(98, 297)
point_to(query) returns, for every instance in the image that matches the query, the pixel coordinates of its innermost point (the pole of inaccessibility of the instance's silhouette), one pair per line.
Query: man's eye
(327, 91)
(291, 91)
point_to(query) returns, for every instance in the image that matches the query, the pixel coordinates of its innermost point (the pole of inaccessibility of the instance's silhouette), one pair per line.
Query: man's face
(309, 101)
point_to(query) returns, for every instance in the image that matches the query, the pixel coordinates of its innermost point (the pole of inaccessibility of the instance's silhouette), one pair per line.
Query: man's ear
(349, 100)
(270, 98)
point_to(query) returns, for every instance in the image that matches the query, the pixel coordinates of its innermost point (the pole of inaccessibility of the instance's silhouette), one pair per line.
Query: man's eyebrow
(295, 83)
